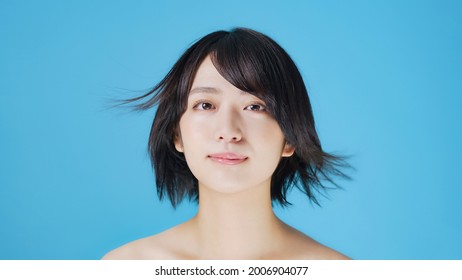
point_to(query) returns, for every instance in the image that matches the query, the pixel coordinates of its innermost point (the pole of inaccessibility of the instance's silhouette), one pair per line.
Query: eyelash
(262, 107)
(201, 102)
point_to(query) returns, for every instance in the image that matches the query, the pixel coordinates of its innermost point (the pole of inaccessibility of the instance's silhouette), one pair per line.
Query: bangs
(248, 63)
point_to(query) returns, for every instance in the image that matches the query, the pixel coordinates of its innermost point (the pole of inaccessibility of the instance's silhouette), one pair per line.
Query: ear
(288, 150)
(178, 143)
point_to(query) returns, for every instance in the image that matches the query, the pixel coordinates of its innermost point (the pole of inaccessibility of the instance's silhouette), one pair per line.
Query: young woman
(233, 130)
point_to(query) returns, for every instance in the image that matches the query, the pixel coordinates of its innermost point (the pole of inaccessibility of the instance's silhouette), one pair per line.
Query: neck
(236, 226)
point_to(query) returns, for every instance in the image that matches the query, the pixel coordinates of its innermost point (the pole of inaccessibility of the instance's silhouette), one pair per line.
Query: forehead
(207, 73)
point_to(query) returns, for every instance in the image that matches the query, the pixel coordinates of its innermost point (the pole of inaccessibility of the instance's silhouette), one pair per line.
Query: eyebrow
(211, 90)
(204, 90)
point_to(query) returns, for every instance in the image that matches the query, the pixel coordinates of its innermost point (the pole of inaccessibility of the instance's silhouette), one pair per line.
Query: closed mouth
(228, 158)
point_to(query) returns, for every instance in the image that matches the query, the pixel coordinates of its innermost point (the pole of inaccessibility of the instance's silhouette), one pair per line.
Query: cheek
(193, 131)
(267, 134)
(267, 142)
(193, 140)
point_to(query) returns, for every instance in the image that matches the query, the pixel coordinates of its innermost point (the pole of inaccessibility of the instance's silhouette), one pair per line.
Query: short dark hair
(252, 62)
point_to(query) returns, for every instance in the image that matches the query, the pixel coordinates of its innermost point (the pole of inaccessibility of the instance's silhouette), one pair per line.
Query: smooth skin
(232, 146)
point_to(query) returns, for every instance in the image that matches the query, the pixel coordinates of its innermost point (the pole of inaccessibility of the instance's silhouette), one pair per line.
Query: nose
(228, 126)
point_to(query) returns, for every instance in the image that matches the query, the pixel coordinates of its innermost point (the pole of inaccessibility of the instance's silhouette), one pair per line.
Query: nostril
(229, 139)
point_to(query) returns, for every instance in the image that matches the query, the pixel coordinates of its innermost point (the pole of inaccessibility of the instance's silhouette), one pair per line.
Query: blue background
(384, 79)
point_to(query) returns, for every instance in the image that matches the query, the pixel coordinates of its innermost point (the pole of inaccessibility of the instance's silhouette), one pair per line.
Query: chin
(230, 187)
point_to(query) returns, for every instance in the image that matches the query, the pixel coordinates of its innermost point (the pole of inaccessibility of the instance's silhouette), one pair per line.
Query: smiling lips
(228, 158)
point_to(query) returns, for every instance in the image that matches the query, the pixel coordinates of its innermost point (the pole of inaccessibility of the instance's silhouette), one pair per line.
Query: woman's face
(230, 142)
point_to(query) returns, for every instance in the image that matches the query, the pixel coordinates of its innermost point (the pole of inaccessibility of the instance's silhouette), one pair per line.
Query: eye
(255, 107)
(203, 105)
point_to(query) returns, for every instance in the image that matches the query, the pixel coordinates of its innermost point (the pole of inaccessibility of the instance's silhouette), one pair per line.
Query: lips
(227, 158)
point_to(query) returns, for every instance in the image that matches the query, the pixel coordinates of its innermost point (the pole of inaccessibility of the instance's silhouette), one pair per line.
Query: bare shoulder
(144, 248)
(322, 252)
(155, 247)
(305, 247)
